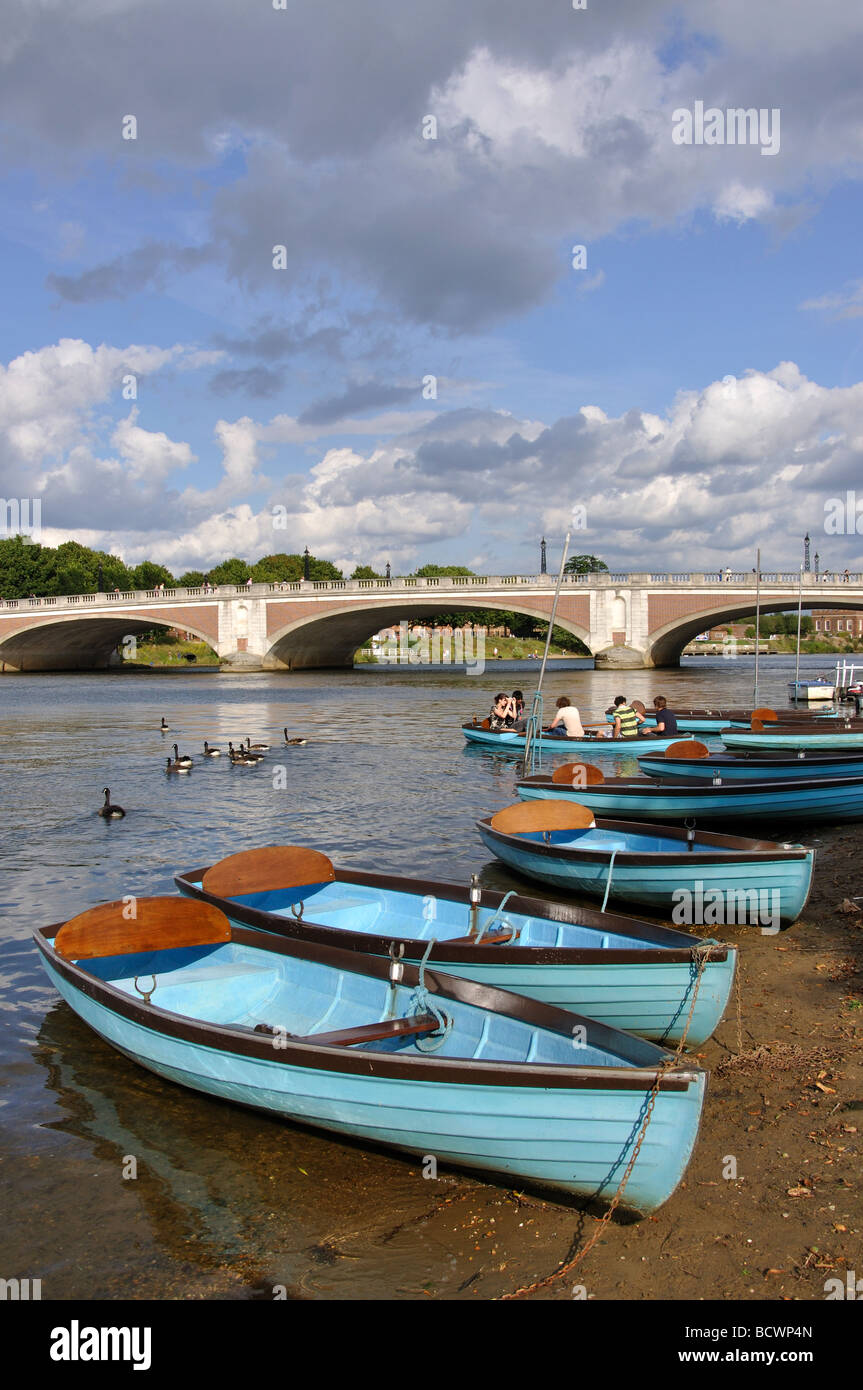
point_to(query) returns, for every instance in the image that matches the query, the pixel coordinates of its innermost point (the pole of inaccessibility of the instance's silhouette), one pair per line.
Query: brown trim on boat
(681, 786)
(658, 949)
(639, 1074)
(741, 848)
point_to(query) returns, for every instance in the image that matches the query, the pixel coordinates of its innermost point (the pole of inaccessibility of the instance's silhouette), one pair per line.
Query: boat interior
(234, 985)
(385, 912)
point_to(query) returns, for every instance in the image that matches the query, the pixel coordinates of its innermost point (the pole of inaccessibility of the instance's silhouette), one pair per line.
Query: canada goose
(294, 742)
(184, 761)
(211, 752)
(239, 758)
(243, 752)
(256, 747)
(109, 812)
(164, 727)
(177, 767)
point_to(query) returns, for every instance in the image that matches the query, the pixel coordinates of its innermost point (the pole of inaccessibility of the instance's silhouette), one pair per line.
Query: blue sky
(697, 387)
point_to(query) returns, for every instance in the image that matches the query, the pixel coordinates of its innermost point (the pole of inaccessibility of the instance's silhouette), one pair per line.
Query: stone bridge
(625, 620)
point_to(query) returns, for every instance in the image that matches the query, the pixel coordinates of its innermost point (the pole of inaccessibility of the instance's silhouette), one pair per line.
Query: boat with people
(621, 971)
(597, 739)
(666, 868)
(692, 758)
(790, 799)
(709, 721)
(381, 1051)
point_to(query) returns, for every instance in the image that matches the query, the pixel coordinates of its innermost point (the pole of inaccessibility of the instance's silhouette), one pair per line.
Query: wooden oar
(156, 924)
(578, 774)
(525, 816)
(267, 870)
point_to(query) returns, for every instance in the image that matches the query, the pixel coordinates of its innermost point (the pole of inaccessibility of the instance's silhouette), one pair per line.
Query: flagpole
(757, 619)
(533, 731)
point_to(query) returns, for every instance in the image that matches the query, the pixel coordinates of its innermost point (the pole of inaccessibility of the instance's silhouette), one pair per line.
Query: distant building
(847, 623)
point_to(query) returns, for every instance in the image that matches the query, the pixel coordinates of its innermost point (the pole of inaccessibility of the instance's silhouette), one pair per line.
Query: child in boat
(626, 719)
(567, 721)
(517, 702)
(666, 722)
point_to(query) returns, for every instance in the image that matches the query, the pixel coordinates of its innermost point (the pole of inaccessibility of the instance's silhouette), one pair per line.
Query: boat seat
(336, 905)
(225, 970)
(364, 1032)
(489, 939)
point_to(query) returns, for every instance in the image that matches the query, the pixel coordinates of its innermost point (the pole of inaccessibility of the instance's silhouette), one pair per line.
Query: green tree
(26, 569)
(192, 579)
(147, 575)
(365, 572)
(231, 571)
(323, 569)
(281, 569)
(441, 571)
(584, 564)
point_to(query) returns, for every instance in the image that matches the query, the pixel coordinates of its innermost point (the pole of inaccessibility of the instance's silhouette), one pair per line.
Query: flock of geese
(248, 754)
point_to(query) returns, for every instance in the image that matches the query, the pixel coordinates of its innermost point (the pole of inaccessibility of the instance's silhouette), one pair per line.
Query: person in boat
(626, 719)
(567, 722)
(517, 702)
(501, 716)
(666, 722)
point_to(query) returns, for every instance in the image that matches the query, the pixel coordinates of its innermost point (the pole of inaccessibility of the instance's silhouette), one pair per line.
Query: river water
(226, 1203)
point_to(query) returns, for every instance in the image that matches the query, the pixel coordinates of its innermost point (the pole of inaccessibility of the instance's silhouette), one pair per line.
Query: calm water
(226, 1202)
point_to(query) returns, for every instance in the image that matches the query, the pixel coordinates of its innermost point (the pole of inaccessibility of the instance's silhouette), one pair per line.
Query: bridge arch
(73, 643)
(668, 642)
(332, 638)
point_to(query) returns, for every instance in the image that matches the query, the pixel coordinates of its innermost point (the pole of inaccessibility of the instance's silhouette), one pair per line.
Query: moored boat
(808, 800)
(623, 972)
(811, 690)
(661, 866)
(843, 735)
(419, 1061)
(691, 758)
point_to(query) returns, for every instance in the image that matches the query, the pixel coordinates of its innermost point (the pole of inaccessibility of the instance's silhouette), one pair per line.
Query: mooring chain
(700, 955)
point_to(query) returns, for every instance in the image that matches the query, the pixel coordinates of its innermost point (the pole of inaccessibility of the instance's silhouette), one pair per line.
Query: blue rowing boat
(507, 741)
(643, 798)
(671, 870)
(836, 740)
(618, 970)
(380, 1051)
(691, 758)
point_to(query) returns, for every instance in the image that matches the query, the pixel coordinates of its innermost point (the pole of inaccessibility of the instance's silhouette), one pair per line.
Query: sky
(422, 284)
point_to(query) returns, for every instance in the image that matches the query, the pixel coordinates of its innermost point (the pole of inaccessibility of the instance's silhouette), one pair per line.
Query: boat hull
(507, 742)
(569, 1129)
(782, 765)
(627, 974)
(833, 740)
(808, 801)
(667, 881)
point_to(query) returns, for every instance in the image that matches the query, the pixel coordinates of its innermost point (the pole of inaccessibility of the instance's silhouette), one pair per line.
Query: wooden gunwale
(470, 954)
(641, 1072)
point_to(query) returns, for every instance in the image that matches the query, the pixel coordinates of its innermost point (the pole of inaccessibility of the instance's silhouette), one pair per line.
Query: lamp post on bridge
(543, 568)
(816, 564)
(306, 563)
(806, 552)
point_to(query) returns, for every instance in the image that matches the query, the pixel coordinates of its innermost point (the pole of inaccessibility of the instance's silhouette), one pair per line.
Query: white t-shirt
(571, 720)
